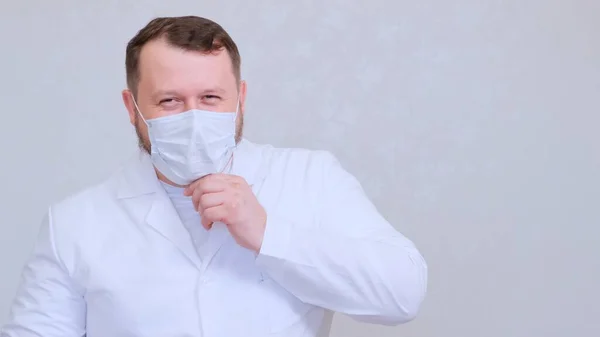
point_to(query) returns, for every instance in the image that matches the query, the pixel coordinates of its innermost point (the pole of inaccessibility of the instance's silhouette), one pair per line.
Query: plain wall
(472, 124)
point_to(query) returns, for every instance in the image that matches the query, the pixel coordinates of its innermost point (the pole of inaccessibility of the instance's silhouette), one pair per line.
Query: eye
(211, 98)
(168, 102)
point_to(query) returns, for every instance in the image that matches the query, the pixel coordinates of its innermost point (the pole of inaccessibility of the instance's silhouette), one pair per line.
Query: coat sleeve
(352, 261)
(47, 303)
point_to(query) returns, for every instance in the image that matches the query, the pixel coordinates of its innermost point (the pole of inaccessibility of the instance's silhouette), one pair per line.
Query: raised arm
(354, 263)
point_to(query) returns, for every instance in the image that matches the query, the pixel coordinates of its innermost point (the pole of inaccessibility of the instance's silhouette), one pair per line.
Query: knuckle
(209, 214)
(237, 181)
(236, 195)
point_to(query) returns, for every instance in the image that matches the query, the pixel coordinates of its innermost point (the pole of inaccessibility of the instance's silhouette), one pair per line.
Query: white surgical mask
(190, 145)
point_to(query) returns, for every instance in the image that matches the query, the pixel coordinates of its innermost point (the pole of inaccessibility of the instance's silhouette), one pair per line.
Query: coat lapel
(247, 163)
(164, 219)
(139, 184)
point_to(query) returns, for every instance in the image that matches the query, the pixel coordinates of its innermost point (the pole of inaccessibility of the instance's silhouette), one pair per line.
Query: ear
(127, 96)
(242, 96)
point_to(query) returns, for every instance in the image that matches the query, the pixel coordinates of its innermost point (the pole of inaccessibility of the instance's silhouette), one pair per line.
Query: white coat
(115, 260)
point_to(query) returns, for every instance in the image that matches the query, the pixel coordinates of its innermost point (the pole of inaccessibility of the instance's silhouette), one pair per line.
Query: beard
(144, 142)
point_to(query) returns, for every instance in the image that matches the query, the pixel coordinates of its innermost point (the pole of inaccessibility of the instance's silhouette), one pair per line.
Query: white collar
(138, 176)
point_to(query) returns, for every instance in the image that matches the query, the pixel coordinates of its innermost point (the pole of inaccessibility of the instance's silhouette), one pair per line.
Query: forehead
(166, 67)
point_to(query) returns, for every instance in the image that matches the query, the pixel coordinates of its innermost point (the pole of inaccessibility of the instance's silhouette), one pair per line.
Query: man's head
(175, 64)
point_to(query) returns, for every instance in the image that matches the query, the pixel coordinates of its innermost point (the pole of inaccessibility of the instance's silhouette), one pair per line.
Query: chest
(138, 283)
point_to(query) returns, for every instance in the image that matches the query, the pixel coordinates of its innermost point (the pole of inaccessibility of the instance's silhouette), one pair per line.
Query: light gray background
(472, 124)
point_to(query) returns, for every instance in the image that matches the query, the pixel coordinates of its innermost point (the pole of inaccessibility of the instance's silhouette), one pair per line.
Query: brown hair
(191, 33)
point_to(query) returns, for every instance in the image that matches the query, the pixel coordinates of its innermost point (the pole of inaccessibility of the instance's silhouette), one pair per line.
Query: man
(205, 233)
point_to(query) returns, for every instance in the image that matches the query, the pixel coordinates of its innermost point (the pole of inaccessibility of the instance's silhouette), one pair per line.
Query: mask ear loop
(230, 161)
(138, 110)
(237, 108)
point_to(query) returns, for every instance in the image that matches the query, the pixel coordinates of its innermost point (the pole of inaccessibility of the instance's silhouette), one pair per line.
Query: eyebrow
(162, 93)
(216, 90)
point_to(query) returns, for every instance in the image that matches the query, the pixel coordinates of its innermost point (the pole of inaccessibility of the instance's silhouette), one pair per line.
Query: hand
(229, 199)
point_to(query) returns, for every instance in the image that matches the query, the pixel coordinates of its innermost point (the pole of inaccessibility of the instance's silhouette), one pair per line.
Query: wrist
(260, 235)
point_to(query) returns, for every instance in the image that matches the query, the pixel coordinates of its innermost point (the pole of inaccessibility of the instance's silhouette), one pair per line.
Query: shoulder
(71, 219)
(304, 175)
(318, 172)
(101, 196)
(82, 202)
(299, 161)
(68, 224)
(81, 216)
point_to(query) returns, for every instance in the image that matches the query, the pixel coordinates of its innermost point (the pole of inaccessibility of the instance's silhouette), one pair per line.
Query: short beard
(144, 142)
(239, 128)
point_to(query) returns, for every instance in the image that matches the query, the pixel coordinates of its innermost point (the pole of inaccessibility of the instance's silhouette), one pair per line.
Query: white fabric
(115, 260)
(189, 145)
(189, 218)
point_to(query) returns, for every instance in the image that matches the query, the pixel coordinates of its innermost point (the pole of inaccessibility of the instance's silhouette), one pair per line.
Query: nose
(191, 104)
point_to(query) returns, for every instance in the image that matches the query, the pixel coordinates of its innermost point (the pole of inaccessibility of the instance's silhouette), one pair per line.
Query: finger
(231, 178)
(189, 190)
(236, 181)
(215, 214)
(205, 185)
(207, 224)
(208, 200)
(196, 194)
